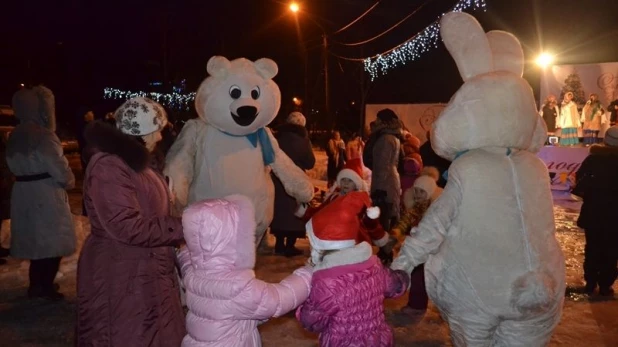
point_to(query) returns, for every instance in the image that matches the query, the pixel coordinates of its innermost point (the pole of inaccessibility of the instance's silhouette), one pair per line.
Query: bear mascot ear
(507, 52)
(266, 68)
(467, 43)
(217, 66)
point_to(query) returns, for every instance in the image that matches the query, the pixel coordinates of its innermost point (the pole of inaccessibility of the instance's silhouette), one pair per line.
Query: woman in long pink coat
(127, 288)
(226, 302)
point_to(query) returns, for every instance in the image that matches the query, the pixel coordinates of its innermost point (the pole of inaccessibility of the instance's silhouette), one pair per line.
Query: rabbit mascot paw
(493, 265)
(229, 149)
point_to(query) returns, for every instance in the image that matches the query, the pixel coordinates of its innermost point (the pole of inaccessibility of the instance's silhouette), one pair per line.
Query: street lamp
(297, 101)
(544, 60)
(295, 8)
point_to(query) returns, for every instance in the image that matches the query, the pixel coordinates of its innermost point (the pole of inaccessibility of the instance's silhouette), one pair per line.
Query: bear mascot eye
(255, 93)
(235, 92)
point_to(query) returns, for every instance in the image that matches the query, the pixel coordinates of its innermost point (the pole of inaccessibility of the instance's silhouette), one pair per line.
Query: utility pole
(326, 86)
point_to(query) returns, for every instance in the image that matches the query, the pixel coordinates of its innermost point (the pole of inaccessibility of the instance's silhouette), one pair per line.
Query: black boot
(290, 250)
(280, 245)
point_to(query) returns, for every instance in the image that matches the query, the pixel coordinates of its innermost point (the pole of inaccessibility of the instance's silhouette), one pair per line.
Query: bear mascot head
(239, 97)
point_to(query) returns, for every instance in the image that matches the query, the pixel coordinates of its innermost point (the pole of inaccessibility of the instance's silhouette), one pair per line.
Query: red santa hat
(353, 171)
(337, 225)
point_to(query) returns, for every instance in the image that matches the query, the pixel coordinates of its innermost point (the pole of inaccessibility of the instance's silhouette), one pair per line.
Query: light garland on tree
(416, 46)
(172, 100)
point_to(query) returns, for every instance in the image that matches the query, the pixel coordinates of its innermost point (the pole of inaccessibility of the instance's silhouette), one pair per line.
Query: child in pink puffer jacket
(346, 304)
(226, 302)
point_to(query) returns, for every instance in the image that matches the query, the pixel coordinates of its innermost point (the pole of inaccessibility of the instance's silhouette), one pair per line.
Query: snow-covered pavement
(585, 322)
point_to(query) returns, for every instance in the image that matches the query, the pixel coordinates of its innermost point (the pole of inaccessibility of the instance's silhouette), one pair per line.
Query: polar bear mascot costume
(228, 149)
(493, 265)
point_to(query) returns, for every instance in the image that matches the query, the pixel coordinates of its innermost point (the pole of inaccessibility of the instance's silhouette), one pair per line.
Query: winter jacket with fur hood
(41, 220)
(226, 302)
(384, 174)
(127, 287)
(346, 305)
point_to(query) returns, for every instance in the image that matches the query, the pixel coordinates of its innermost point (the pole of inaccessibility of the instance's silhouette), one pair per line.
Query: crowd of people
(142, 254)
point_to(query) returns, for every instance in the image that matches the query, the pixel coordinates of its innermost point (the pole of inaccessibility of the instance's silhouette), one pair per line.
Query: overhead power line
(357, 19)
(387, 30)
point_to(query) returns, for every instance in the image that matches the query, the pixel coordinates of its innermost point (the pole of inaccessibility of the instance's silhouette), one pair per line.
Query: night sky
(80, 47)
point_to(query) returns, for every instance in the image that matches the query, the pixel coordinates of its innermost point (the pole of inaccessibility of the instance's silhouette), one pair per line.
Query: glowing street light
(297, 101)
(294, 7)
(544, 60)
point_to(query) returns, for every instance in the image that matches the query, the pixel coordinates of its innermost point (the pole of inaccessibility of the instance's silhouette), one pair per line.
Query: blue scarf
(445, 174)
(261, 136)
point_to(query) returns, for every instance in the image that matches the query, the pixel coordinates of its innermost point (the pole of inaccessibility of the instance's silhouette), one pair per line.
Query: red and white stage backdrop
(418, 118)
(582, 80)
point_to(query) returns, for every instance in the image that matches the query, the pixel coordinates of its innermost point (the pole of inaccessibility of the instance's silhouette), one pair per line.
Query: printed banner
(418, 118)
(564, 163)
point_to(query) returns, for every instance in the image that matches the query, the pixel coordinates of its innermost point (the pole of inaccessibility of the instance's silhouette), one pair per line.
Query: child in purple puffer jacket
(346, 303)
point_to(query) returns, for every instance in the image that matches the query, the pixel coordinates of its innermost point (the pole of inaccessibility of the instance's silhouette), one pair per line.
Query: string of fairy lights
(177, 101)
(377, 65)
(413, 48)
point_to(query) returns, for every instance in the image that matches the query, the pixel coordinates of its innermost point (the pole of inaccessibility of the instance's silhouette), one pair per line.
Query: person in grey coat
(385, 184)
(42, 227)
(294, 141)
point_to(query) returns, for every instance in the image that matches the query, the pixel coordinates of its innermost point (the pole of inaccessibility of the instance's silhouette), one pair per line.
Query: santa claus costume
(346, 303)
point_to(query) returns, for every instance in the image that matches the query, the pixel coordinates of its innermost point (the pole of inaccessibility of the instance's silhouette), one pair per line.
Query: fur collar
(102, 137)
(603, 150)
(293, 128)
(393, 127)
(348, 256)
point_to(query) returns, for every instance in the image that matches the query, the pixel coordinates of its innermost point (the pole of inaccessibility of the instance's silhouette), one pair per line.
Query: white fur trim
(383, 241)
(352, 175)
(319, 244)
(373, 212)
(301, 210)
(349, 256)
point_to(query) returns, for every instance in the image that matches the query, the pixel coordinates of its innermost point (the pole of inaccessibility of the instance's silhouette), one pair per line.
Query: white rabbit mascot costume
(229, 149)
(493, 266)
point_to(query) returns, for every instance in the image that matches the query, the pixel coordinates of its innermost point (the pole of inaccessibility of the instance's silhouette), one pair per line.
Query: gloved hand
(386, 252)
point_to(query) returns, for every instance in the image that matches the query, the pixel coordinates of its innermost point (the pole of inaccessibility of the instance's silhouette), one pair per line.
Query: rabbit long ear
(506, 51)
(465, 39)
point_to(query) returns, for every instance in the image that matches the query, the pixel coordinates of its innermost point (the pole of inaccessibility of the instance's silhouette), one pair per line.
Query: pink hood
(220, 234)
(225, 300)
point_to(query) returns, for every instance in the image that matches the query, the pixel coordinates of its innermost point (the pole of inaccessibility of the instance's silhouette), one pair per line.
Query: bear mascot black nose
(246, 111)
(246, 115)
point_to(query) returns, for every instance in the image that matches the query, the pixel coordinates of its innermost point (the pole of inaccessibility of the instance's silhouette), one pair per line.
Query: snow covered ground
(585, 322)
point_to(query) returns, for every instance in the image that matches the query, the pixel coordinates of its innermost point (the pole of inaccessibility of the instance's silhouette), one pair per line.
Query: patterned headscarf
(140, 116)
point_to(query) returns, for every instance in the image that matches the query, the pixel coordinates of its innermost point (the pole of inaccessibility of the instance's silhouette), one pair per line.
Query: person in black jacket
(430, 158)
(294, 141)
(597, 184)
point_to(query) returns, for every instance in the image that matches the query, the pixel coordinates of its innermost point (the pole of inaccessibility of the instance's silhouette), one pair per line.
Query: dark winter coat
(6, 184)
(598, 176)
(384, 175)
(294, 141)
(430, 158)
(127, 288)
